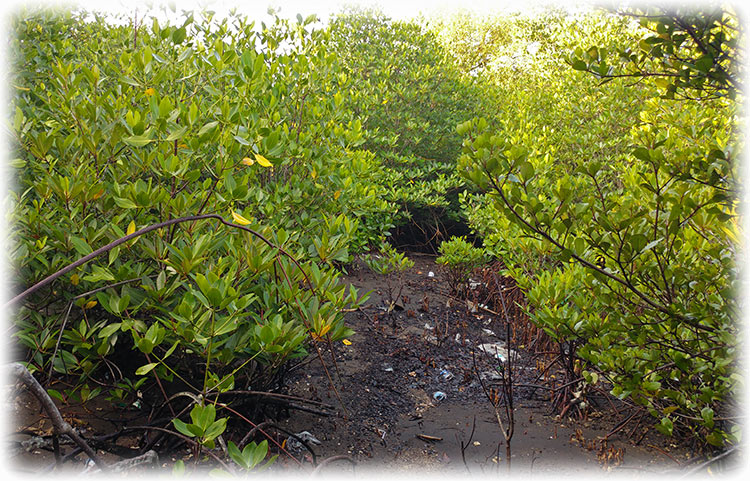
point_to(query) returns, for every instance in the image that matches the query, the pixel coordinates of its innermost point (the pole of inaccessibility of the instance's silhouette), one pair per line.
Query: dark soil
(381, 410)
(388, 376)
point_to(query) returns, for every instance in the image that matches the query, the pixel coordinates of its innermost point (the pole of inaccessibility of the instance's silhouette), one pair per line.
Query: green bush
(116, 130)
(637, 215)
(460, 259)
(406, 89)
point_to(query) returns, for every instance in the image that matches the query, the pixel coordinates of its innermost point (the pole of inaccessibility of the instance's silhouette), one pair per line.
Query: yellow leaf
(131, 228)
(248, 161)
(149, 92)
(98, 194)
(263, 161)
(347, 342)
(317, 335)
(314, 174)
(239, 219)
(74, 279)
(90, 304)
(336, 195)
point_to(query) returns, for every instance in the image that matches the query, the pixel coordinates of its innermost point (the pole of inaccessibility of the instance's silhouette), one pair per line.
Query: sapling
(459, 259)
(388, 261)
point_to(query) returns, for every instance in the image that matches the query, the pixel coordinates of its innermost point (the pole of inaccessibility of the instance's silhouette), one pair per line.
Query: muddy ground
(384, 413)
(388, 376)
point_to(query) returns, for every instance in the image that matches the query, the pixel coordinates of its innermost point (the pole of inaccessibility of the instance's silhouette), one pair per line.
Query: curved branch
(140, 232)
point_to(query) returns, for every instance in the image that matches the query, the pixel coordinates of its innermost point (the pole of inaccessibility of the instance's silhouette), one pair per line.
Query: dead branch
(59, 424)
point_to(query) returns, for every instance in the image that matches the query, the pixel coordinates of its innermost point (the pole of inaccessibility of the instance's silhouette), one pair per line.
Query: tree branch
(61, 426)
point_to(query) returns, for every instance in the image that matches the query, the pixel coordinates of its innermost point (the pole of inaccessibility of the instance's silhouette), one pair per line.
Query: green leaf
(125, 203)
(56, 394)
(715, 439)
(177, 134)
(526, 169)
(665, 426)
(146, 368)
(207, 128)
(651, 244)
(642, 154)
(241, 140)
(216, 429)
(236, 455)
(203, 416)
(178, 36)
(186, 54)
(109, 329)
(708, 417)
(165, 106)
(183, 428)
(267, 335)
(81, 246)
(171, 349)
(137, 140)
(579, 65)
(100, 274)
(178, 470)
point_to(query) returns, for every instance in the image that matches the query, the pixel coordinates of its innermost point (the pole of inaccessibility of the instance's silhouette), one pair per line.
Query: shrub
(387, 262)
(117, 129)
(460, 259)
(644, 279)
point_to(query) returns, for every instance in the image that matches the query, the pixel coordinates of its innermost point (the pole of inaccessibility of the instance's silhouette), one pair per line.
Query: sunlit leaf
(263, 161)
(239, 219)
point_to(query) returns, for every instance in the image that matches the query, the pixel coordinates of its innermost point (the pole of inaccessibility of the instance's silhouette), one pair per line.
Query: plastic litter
(293, 444)
(446, 375)
(430, 274)
(438, 396)
(496, 349)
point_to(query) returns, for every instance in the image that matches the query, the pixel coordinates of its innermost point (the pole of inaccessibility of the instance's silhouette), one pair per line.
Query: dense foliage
(635, 220)
(118, 129)
(284, 149)
(409, 94)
